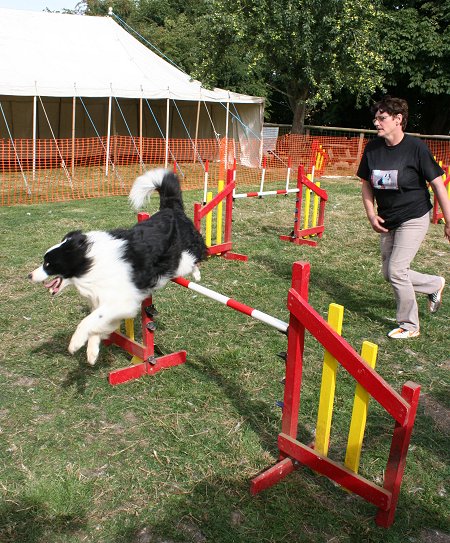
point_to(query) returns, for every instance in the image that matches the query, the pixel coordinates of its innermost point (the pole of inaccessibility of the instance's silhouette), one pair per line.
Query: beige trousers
(398, 248)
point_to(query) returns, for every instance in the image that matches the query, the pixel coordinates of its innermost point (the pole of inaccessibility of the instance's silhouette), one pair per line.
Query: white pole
(166, 161)
(226, 136)
(140, 136)
(73, 135)
(196, 132)
(34, 134)
(108, 137)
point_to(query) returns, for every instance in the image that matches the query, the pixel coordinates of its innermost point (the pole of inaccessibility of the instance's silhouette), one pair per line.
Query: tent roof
(54, 54)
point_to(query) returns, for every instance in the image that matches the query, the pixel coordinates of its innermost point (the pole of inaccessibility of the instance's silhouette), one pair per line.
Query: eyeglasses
(380, 118)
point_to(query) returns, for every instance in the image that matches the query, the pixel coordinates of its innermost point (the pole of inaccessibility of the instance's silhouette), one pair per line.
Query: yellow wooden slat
(219, 218)
(327, 389)
(208, 223)
(315, 207)
(369, 353)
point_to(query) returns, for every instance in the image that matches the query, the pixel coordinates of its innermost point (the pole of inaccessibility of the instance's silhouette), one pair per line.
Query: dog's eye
(46, 264)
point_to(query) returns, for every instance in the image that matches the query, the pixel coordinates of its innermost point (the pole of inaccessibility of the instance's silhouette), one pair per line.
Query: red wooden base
(123, 375)
(299, 241)
(223, 250)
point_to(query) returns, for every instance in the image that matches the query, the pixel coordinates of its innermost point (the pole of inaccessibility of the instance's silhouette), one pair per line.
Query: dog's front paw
(93, 349)
(76, 342)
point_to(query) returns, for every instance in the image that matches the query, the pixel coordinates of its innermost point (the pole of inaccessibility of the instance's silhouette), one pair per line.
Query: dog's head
(66, 260)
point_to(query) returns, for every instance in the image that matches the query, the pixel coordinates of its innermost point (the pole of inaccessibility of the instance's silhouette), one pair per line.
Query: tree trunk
(298, 106)
(298, 121)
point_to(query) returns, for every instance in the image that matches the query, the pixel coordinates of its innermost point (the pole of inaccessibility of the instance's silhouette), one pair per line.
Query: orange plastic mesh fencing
(47, 170)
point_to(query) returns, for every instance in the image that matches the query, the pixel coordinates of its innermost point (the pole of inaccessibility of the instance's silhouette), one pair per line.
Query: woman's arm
(367, 197)
(444, 202)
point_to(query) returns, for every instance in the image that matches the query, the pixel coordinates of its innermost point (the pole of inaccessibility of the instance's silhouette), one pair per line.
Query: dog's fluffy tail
(164, 181)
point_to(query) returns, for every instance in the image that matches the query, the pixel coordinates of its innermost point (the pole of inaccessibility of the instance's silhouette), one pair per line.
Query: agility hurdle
(301, 235)
(313, 215)
(319, 158)
(402, 408)
(221, 248)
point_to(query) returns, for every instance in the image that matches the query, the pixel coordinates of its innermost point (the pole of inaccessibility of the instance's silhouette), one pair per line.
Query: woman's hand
(377, 224)
(447, 231)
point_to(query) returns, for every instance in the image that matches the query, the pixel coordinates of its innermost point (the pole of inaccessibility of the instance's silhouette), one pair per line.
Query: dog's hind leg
(196, 273)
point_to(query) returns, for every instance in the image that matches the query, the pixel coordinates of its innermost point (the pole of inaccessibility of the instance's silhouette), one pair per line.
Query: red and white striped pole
(233, 304)
(264, 193)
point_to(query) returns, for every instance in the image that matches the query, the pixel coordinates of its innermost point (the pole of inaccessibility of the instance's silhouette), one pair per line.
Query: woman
(394, 171)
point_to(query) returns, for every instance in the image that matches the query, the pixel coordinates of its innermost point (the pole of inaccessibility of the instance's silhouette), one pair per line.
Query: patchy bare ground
(187, 527)
(438, 412)
(434, 536)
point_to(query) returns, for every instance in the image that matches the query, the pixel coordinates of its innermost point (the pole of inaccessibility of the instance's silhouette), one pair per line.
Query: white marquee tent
(74, 76)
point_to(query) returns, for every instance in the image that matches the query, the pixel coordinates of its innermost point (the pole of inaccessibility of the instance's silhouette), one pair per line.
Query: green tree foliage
(306, 50)
(325, 58)
(420, 56)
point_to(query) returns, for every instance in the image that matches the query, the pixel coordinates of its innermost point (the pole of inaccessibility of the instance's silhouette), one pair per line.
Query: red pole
(294, 355)
(298, 200)
(397, 456)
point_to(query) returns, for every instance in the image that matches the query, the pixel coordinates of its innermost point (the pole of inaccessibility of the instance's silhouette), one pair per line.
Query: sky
(39, 5)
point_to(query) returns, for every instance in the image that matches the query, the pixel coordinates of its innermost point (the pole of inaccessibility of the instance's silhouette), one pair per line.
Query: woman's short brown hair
(392, 106)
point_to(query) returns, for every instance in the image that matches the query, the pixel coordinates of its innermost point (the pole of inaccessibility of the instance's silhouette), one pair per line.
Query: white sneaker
(401, 333)
(435, 299)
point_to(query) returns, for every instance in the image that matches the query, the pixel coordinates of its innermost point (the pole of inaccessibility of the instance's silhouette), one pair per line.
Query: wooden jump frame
(201, 211)
(299, 235)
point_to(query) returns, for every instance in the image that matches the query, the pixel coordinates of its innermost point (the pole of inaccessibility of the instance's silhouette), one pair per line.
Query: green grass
(168, 458)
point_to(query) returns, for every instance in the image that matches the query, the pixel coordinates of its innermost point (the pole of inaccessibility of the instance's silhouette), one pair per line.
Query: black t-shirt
(398, 175)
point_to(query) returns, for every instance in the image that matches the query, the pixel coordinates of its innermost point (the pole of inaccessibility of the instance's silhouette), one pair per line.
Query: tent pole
(108, 137)
(166, 161)
(73, 135)
(196, 133)
(34, 134)
(226, 136)
(140, 136)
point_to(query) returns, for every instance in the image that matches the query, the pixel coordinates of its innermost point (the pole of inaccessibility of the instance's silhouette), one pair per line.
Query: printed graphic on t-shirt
(385, 179)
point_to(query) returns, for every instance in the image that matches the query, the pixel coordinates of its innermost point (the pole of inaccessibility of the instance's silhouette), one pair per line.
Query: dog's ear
(72, 235)
(75, 239)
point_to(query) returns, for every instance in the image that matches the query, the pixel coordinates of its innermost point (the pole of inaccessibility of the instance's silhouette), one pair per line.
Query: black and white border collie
(117, 270)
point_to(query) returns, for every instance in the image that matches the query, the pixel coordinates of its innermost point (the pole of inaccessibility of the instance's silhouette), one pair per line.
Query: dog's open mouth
(54, 285)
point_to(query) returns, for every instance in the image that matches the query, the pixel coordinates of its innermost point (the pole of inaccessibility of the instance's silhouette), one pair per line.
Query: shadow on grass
(78, 375)
(368, 303)
(296, 510)
(29, 521)
(258, 415)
